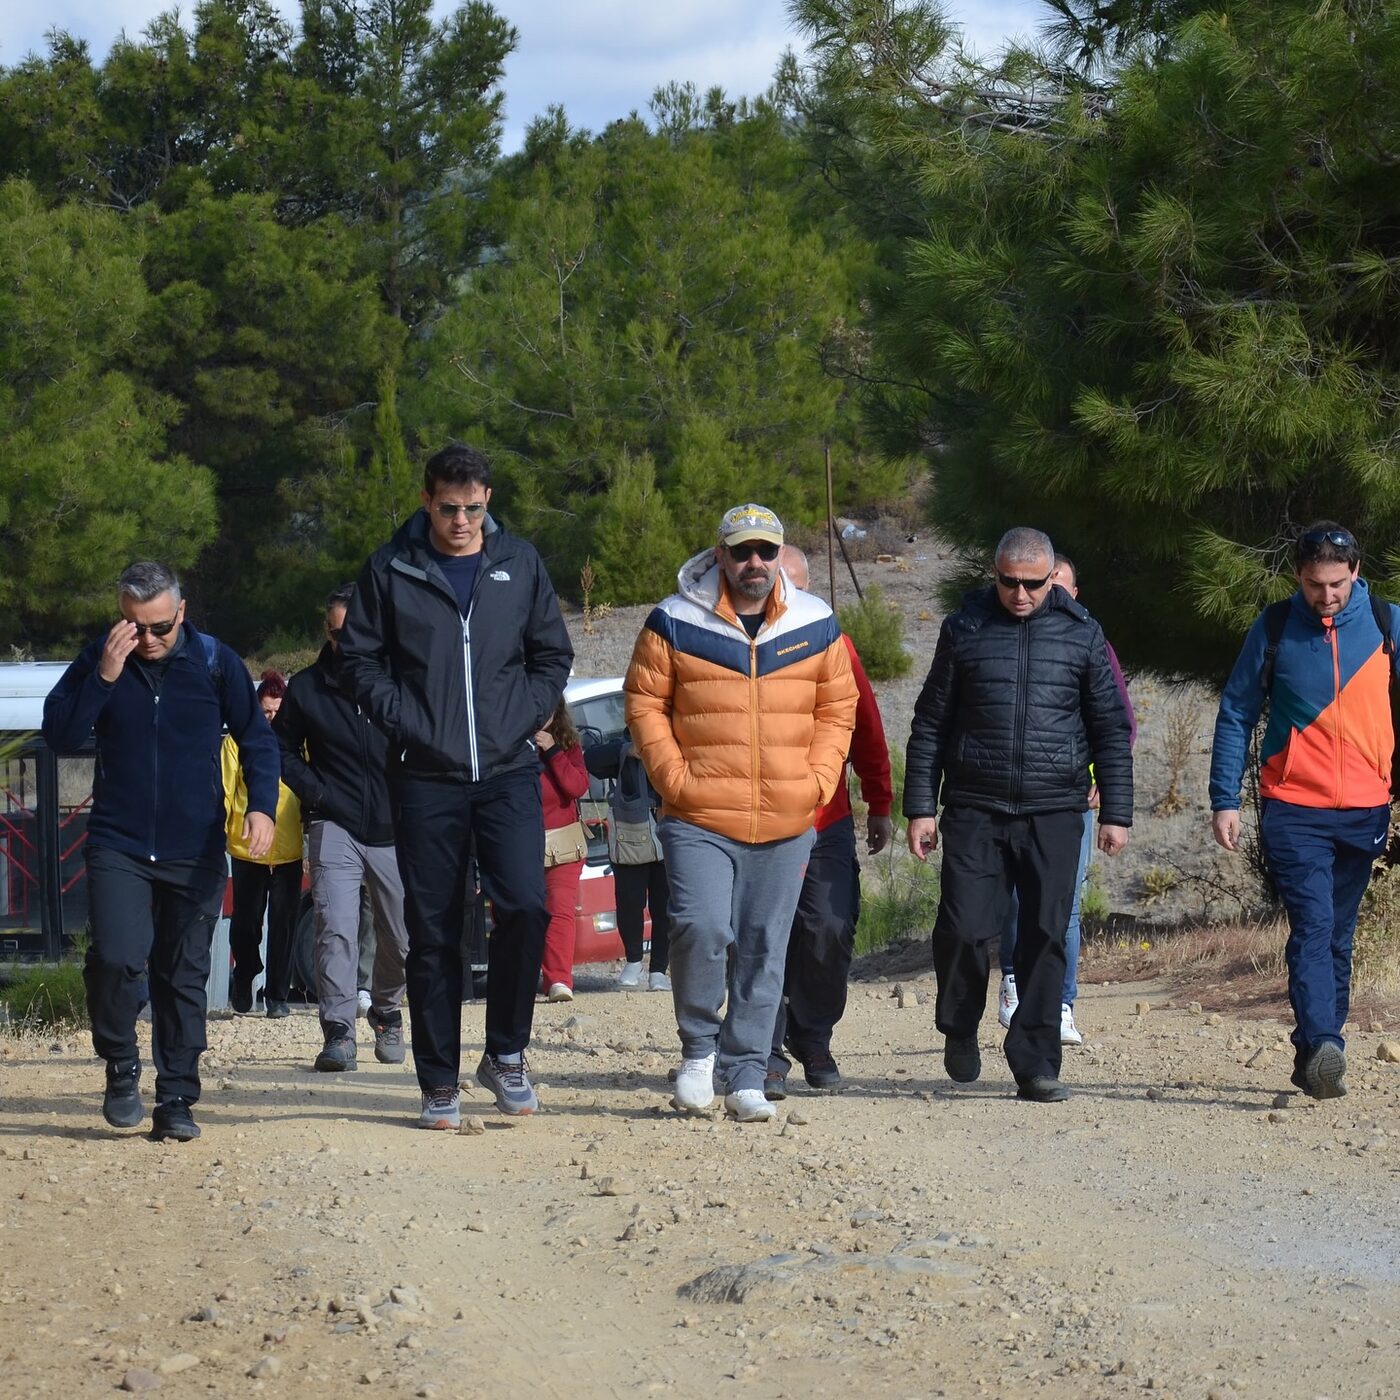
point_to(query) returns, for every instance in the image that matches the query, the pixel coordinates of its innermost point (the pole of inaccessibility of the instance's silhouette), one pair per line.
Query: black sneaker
(962, 1059)
(277, 1009)
(775, 1086)
(821, 1071)
(1044, 1088)
(121, 1104)
(240, 994)
(1325, 1070)
(338, 1053)
(173, 1119)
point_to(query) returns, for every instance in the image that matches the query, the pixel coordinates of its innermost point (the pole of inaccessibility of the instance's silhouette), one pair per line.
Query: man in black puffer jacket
(1019, 701)
(455, 645)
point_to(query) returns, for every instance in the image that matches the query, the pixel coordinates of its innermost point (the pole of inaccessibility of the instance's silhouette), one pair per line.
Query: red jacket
(870, 755)
(563, 780)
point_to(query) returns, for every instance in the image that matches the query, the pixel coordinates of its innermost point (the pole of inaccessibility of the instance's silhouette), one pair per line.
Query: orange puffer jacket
(745, 738)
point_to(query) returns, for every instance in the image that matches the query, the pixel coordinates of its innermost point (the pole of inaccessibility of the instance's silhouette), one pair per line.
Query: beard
(753, 587)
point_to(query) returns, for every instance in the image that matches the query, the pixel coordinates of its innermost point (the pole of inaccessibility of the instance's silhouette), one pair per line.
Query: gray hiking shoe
(338, 1053)
(1324, 1072)
(440, 1109)
(388, 1040)
(509, 1081)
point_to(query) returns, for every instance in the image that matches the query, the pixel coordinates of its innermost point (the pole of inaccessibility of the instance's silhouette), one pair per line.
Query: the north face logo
(500, 576)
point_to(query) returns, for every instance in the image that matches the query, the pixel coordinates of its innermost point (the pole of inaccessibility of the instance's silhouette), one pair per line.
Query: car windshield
(600, 715)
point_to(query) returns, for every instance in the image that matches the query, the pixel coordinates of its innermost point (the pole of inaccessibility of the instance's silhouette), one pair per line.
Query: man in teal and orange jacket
(1324, 660)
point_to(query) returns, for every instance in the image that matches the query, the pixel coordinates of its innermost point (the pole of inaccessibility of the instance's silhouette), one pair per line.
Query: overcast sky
(599, 58)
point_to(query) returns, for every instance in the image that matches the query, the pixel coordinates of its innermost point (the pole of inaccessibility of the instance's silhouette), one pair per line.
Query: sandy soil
(1169, 1229)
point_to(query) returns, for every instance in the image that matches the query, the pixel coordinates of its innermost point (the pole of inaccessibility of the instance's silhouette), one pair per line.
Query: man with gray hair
(156, 695)
(1019, 701)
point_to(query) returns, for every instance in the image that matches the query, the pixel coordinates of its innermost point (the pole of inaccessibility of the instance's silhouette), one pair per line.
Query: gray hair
(146, 580)
(1024, 545)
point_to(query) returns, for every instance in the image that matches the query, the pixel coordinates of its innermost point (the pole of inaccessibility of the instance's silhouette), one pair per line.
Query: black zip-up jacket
(1013, 712)
(157, 788)
(454, 695)
(333, 756)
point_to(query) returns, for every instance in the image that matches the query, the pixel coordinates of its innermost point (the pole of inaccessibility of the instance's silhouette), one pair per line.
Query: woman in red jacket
(563, 780)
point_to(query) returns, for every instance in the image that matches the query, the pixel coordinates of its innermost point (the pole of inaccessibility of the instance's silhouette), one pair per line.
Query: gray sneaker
(440, 1109)
(338, 1053)
(509, 1080)
(388, 1041)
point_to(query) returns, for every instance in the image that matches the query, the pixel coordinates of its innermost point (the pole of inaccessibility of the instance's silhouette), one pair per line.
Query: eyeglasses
(742, 553)
(156, 629)
(1012, 583)
(473, 511)
(1338, 539)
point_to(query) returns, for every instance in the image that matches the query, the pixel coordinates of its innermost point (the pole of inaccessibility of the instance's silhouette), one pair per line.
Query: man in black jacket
(335, 760)
(156, 694)
(455, 645)
(1019, 701)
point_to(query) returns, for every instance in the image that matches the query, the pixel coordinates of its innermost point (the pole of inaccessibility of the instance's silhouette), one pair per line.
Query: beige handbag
(565, 844)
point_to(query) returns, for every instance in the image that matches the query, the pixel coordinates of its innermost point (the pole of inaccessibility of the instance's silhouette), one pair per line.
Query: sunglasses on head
(742, 553)
(472, 511)
(1031, 585)
(156, 629)
(1338, 539)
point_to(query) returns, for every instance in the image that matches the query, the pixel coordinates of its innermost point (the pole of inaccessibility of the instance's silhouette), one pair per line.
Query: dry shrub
(1179, 743)
(1376, 958)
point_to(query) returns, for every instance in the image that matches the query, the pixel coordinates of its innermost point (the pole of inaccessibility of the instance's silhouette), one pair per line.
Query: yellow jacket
(746, 738)
(286, 840)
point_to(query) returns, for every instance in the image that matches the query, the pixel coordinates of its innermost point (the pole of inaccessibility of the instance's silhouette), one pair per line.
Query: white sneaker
(362, 1004)
(659, 982)
(630, 976)
(1069, 1032)
(749, 1106)
(695, 1085)
(1007, 1000)
(559, 992)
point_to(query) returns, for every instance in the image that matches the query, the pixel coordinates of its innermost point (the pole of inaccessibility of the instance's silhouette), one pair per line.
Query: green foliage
(1093, 898)
(1146, 305)
(637, 547)
(47, 996)
(899, 899)
(86, 483)
(877, 629)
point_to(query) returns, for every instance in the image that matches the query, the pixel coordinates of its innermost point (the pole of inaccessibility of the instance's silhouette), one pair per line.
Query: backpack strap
(1275, 620)
(1381, 612)
(214, 664)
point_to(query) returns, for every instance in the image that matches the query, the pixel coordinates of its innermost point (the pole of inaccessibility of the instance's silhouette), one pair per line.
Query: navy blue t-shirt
(460, 571)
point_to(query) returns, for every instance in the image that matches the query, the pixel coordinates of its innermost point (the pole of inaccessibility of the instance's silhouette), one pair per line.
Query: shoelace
(444, 1099)
(511, 1075)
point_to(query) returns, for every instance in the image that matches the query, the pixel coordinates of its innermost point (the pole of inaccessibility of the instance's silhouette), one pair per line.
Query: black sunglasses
(742, 553)
(1031, 585)
(156, 629)
(1338, 539)
(449, 512)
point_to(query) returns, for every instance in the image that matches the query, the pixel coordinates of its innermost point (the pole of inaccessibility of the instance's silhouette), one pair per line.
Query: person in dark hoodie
(1019, 701)
(455, 645)
(156, 694)
(335, 760)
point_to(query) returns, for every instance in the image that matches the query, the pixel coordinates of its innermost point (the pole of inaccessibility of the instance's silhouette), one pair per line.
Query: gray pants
(339, 866)
(729, 894)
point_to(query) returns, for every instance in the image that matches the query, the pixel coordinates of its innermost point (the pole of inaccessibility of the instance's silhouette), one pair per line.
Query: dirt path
(1166, 1230)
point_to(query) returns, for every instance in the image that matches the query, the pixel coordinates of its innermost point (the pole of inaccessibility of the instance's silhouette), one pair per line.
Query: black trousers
(273, 890)
(638, 887)
(820, 947)
(437, 823)
(986, 856)
(152, 919)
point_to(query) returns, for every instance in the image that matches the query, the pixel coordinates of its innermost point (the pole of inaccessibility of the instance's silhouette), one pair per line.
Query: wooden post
(830, 525)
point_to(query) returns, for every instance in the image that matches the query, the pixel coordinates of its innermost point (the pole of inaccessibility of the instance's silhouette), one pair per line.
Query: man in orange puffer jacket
(741, 703)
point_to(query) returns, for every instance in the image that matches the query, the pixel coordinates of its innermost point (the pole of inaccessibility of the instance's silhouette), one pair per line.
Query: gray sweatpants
(727, 893)
(339, 866)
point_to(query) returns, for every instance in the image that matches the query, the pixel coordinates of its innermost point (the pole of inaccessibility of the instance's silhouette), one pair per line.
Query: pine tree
(1153, 315)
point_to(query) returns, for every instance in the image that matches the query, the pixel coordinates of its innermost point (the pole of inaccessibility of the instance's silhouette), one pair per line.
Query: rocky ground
(1183, 1226)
